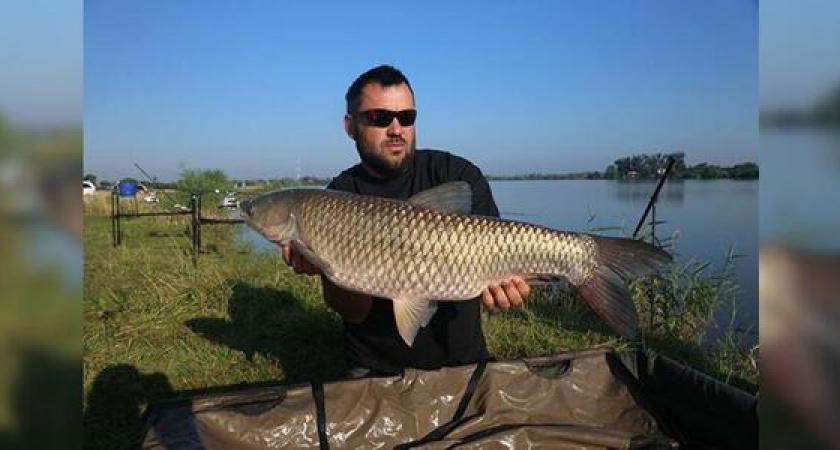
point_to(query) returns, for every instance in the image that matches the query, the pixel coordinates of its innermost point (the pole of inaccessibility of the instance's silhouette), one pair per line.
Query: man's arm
(351, 306)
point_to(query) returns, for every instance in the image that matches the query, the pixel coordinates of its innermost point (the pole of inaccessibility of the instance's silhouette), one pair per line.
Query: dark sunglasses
(383, 117)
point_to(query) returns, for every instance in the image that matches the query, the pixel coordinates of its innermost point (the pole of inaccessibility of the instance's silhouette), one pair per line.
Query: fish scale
(469, 250)
(427, 249)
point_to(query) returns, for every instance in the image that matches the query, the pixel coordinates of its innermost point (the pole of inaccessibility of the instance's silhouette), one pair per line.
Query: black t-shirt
(454, 336)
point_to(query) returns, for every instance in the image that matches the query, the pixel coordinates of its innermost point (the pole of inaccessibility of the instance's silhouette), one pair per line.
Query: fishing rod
(154, 180)
(655, 196)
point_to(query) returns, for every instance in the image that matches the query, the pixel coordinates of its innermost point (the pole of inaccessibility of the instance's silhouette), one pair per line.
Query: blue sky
(798, 55)
(41, 62)
(256, 87)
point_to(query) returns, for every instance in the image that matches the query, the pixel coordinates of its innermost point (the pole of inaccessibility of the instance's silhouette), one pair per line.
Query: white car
(151, 197)
(88, 188)
(229, 201)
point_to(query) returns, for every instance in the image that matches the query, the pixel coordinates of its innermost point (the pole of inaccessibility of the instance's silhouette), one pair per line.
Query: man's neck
(379, 176)
(373, 173)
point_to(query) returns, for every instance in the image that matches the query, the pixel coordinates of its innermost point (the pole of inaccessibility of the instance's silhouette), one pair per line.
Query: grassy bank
(156, 326)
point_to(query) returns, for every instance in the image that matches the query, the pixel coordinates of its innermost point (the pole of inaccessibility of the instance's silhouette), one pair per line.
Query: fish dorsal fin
(411, 314)
(452, 197)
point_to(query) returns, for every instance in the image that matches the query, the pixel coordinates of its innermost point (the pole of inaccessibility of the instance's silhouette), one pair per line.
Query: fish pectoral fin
(411, 314)
(452, 197)
(310, 256)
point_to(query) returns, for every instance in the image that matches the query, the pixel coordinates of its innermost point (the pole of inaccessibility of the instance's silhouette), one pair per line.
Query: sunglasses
(382, 118)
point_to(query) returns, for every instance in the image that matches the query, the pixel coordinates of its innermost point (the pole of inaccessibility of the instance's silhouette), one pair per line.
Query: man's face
(385, 151)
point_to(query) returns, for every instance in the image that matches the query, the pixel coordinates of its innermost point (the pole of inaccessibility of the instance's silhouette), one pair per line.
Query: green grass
(40, 339)
(156, 326)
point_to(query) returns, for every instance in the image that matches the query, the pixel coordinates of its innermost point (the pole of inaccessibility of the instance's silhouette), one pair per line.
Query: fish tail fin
(606, 291)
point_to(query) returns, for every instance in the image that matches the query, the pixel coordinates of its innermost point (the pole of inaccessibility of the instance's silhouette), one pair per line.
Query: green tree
(678, 171)
(646, 166)
(207, 180)
(91, 177)
(744, 171)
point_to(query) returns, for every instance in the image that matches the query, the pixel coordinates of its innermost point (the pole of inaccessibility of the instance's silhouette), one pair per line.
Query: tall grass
(156, 325)
(680, 308)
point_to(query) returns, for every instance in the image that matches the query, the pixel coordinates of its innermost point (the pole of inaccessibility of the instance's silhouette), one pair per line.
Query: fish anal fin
(411, 314)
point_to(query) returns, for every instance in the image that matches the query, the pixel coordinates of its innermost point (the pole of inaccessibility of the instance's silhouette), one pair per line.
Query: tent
(593, 399)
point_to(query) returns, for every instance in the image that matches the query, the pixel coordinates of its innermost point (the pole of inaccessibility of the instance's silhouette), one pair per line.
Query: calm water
(707, 218)
(800, 181)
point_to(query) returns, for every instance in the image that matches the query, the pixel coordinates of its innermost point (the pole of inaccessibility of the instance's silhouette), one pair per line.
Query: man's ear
(349, 126)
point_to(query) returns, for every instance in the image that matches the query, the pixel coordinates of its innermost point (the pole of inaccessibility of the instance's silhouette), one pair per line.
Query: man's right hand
(298, 263)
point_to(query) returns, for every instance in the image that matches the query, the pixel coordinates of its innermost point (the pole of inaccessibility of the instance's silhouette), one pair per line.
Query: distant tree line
(644, 166)
(647, 166)
(548, 176)
(285, 182)
(210, 180)
(744, 171)
(825, 113)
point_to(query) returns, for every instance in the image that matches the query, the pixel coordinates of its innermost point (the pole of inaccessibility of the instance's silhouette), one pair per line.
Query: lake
(800, 179)
(705, 217)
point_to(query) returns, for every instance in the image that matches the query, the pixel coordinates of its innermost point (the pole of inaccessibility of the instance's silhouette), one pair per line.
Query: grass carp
(429, 248)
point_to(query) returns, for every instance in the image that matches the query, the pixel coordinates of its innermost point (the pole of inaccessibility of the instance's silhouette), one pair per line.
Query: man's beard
(383, 167)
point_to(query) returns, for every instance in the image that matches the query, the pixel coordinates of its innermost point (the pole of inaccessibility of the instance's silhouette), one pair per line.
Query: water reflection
(640, 191)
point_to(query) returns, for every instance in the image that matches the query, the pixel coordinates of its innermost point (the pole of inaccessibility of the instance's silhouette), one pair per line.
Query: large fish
(429, 249)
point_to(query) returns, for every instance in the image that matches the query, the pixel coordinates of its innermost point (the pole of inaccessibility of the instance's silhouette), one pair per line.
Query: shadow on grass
(305, 342)
(45, 400)
(112, 418)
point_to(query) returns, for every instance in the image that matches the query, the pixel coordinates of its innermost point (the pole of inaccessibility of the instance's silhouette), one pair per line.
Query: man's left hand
(510, 293)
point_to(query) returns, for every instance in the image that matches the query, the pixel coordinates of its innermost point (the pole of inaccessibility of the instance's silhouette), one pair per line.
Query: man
(380, 119)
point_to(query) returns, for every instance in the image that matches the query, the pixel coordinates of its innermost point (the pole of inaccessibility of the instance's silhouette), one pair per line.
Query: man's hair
(384, 75)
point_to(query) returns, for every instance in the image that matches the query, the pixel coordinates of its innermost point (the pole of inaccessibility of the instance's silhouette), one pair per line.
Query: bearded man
(380, 118)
